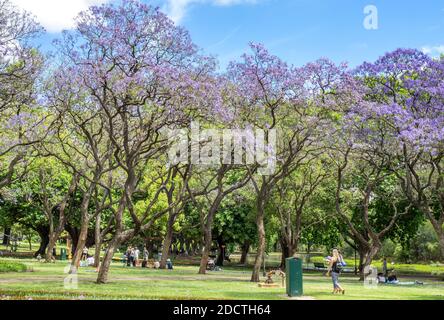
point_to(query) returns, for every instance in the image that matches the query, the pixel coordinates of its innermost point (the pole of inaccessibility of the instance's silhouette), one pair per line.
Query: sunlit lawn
(46, 281)
(273, 260)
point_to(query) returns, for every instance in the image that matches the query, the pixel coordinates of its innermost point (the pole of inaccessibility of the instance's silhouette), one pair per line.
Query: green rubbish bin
(294, 277)
(63, 255)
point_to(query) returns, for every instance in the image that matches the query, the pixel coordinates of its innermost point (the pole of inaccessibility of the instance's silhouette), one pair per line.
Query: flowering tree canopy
(20, 65)
(406, 88)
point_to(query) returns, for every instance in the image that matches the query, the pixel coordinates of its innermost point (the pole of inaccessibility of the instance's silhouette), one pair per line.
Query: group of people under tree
(131, 257)
(359, 152)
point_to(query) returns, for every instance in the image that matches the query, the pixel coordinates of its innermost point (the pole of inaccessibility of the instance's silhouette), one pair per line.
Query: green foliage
(7, 266)
(423, 246)
(234, 221)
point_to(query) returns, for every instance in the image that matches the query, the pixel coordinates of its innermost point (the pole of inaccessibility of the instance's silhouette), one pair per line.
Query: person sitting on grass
(381, 278)
(90, 261)
(169, 264)
(211, 265)
(392, 278)
(334, 269)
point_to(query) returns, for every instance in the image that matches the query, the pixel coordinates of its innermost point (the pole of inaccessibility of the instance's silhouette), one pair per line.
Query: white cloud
(176, 9)
(433, 50)
(56, 15)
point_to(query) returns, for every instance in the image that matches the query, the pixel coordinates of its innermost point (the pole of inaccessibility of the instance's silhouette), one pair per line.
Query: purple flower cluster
(405, 88)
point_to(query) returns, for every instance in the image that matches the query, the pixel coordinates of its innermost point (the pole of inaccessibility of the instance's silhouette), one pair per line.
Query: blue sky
(298, 31)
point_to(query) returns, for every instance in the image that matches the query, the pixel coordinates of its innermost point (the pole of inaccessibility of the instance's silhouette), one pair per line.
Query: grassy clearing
(47, 282)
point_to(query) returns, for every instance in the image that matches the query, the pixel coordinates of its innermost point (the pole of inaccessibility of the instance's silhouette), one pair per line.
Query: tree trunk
(83, 236)
(206, 249)
(362, 254)
(6, 236)
(261, 243)
(74, 234)
(84, 226)
(53, 237)
(441, 245)
(44, 240)
(368, 259)
(167, 242)
(102, 277)
(221, 254)
(208, 235)
(98, 241)
(286, 252)
(245, 251)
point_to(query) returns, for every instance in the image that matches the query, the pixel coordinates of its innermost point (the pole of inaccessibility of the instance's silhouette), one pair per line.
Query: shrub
(7, 266)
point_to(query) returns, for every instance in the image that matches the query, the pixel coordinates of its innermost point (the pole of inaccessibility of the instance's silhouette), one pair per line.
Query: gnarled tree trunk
(367, 258)
(53, 237)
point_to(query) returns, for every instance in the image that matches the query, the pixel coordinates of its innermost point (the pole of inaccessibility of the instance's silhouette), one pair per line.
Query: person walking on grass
(334, 268)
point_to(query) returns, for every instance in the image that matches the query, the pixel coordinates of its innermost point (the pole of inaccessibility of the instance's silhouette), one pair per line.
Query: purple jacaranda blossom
(132, 56)
(261, 77)
(405, 89)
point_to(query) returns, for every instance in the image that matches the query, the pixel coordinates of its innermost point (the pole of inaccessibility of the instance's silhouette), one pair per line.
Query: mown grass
(47, 282)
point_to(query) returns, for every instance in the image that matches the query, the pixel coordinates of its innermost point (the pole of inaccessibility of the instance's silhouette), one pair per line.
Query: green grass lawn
(47, 282)
(273, 261)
